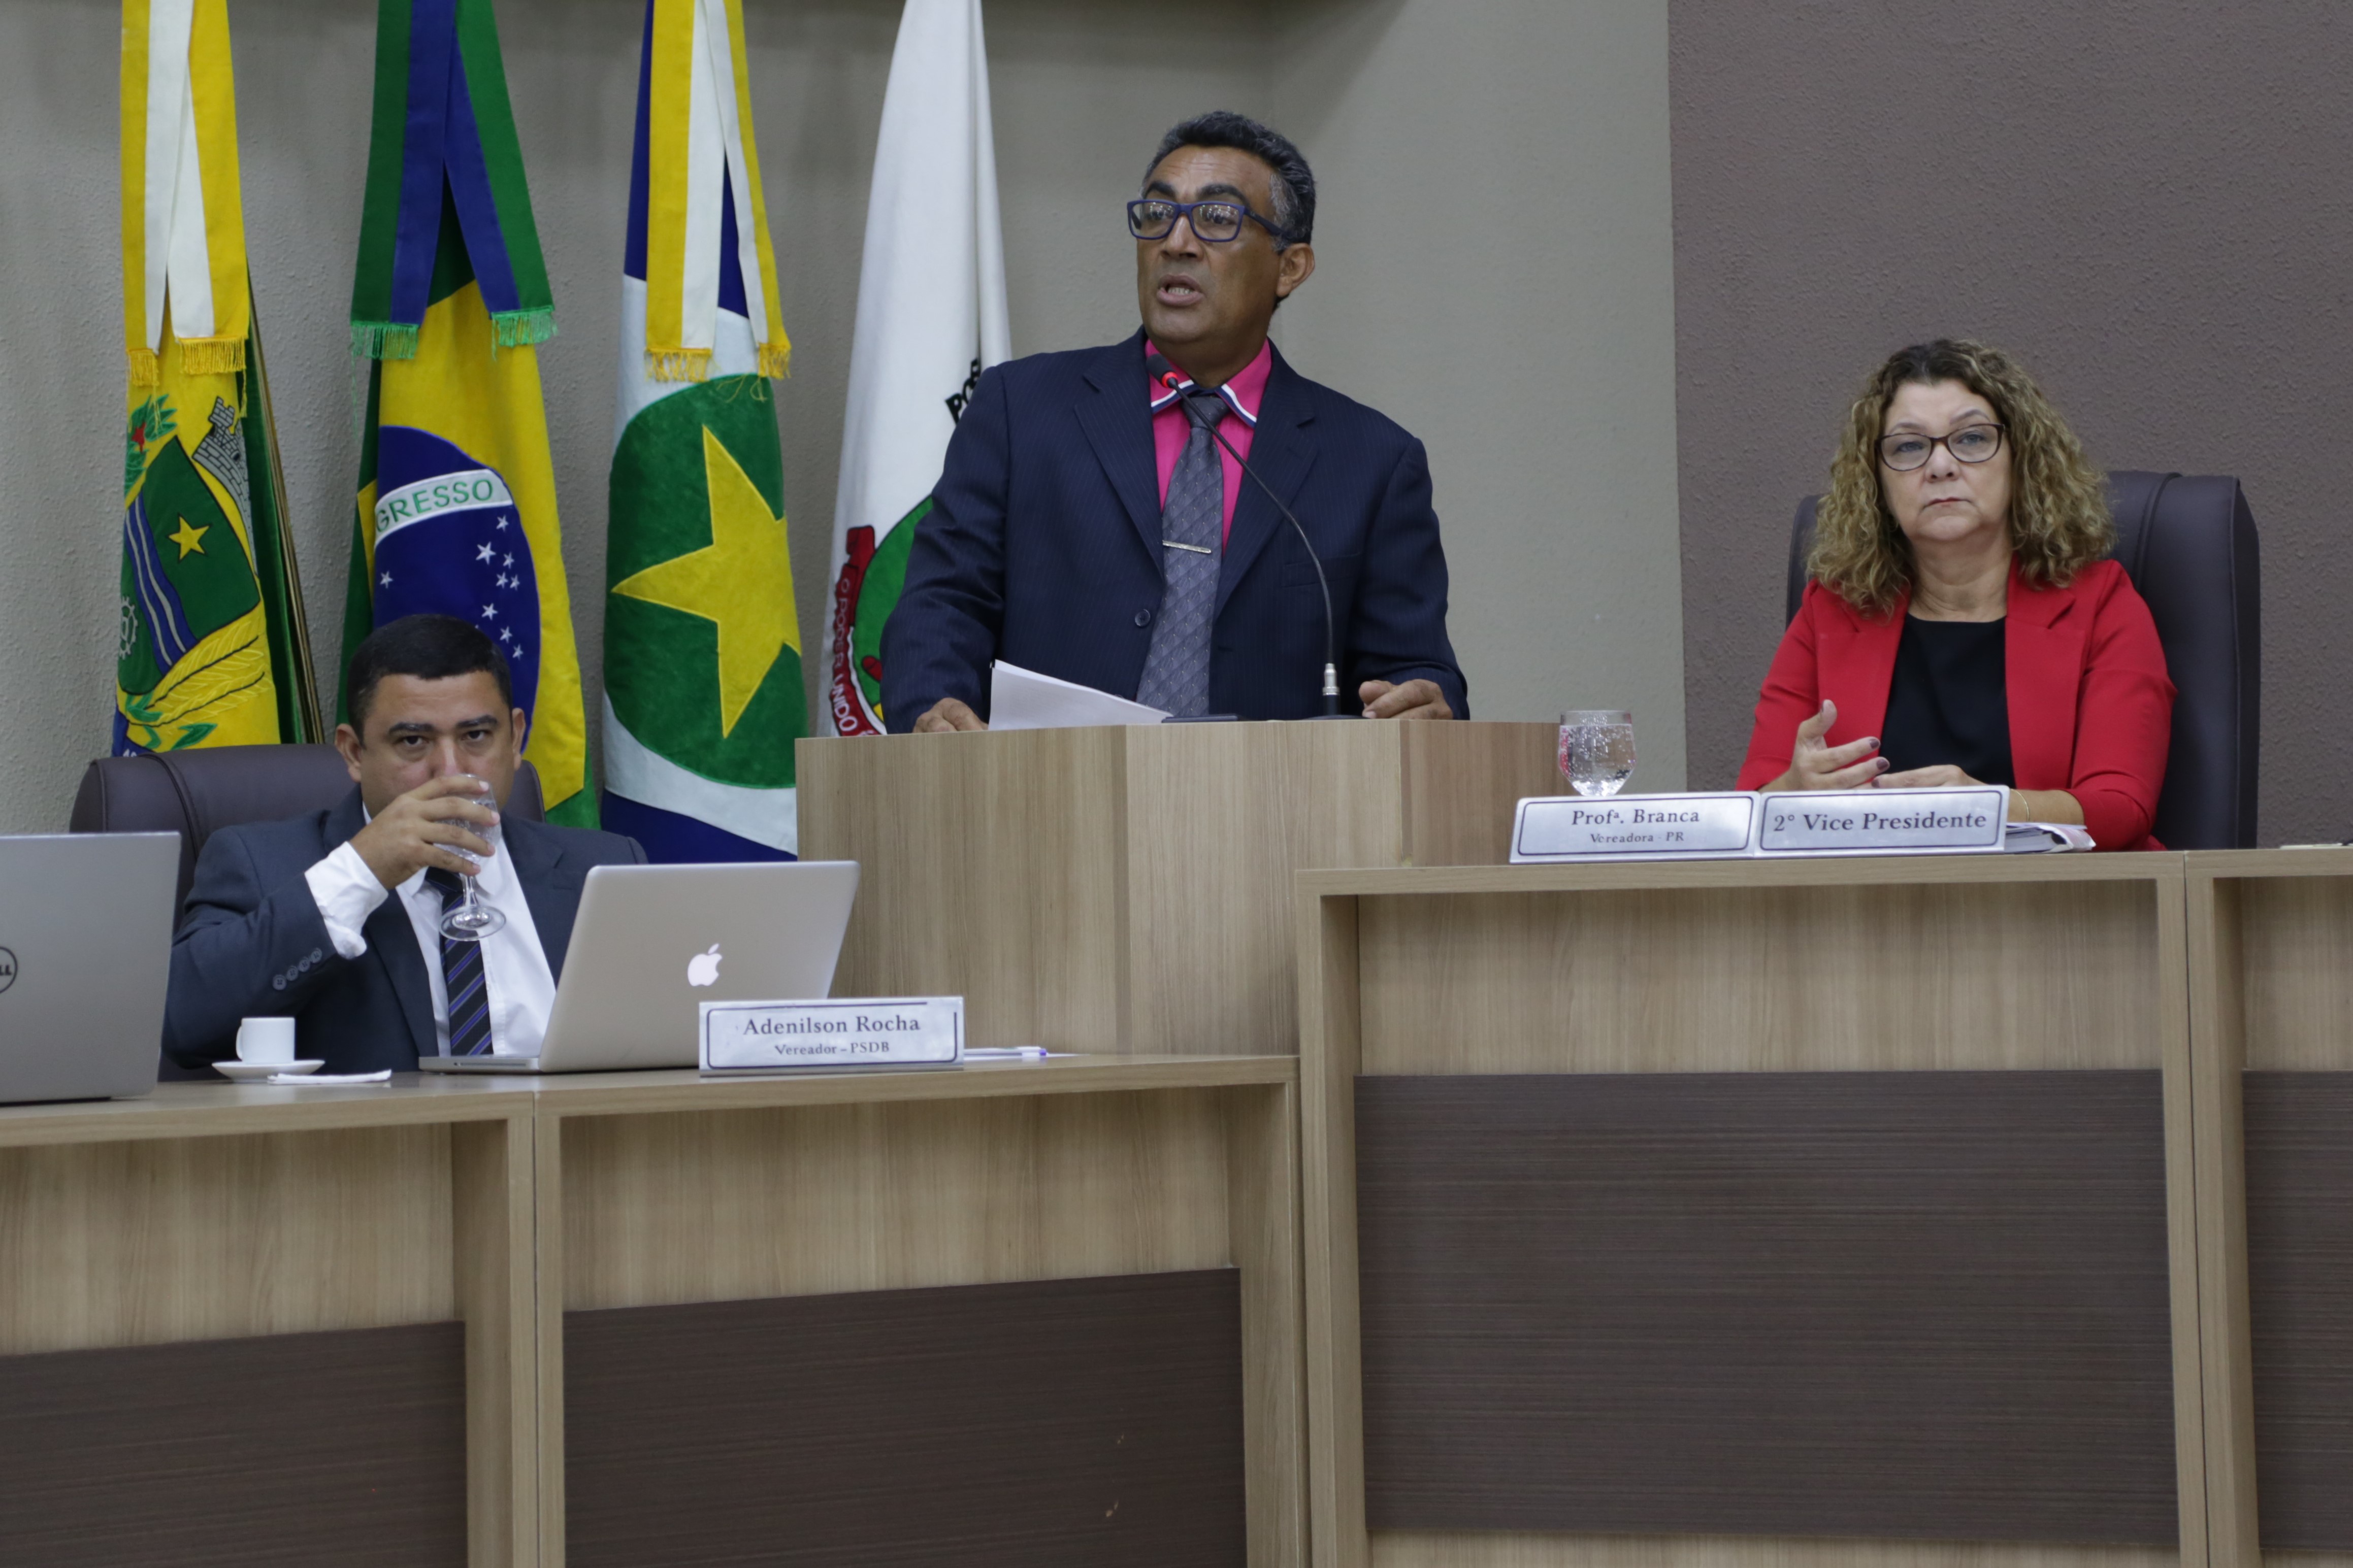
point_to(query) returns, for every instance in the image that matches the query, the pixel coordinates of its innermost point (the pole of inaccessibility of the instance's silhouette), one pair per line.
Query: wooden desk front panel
(2274, 988)
(1855, 969)
(1929, 1306)
(202, 1238)
(1764, 979)
(1128, 889)
(243, 1348)
(664, 1210)
(813, 1200)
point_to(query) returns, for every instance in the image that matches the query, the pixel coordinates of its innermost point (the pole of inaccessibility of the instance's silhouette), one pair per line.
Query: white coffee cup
(266, 1041)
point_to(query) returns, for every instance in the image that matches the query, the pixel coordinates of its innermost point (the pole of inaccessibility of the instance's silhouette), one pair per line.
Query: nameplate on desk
(744, 1038)
(1552, 829)
(1882, 822)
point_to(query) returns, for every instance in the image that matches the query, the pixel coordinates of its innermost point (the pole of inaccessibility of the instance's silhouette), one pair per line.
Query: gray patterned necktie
(1192, 548)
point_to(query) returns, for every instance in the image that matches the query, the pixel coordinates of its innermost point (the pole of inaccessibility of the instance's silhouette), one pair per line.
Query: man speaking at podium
(1094, 521)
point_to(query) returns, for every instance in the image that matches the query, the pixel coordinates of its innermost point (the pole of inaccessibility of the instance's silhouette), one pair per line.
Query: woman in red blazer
(1962, 625)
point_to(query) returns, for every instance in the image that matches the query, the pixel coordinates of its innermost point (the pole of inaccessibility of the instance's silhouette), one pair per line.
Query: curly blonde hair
(2059, 521)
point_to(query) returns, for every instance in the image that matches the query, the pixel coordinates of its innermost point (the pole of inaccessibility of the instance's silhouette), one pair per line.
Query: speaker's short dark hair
(1294, 182)
(428, 647)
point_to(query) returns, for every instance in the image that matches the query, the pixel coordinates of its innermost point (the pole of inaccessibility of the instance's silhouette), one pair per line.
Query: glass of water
(1596, 749)
(469, 919)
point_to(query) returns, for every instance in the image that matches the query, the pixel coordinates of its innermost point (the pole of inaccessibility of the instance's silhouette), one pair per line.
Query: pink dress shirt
(1170, 427)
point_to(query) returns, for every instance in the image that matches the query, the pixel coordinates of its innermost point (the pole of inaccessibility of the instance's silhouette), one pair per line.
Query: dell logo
(702, 969)
(7, 969)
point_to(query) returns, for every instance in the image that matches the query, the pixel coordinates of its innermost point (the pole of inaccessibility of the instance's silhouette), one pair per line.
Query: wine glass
(469, 919)
(1596, 749)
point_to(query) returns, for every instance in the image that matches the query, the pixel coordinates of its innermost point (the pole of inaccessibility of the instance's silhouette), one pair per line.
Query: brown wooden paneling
(1072, 1421)
(2300, 1298)
(1912, 1305)
(345, 1447)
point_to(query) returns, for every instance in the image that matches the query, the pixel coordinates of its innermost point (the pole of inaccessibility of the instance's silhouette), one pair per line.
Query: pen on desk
(1005, 1053)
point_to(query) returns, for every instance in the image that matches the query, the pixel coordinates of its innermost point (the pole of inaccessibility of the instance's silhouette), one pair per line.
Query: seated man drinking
(333, 919)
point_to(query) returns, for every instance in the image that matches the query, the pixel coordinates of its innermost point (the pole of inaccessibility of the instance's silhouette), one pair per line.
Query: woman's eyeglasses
(1907, 450)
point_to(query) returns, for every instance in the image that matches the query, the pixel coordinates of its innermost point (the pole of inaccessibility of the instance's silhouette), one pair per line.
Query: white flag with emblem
(930, 317)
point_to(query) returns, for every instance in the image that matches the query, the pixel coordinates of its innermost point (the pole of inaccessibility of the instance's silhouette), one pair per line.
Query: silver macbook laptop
(652, 941)
(85, 953)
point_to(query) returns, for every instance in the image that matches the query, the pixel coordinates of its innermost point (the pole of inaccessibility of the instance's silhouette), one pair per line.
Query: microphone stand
(1185, 394)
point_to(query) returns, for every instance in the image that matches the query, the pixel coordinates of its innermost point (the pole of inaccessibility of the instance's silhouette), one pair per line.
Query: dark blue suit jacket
(253, 943)
(1042, 548)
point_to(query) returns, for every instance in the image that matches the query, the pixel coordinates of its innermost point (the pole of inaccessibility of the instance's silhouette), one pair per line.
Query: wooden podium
(1129, 889)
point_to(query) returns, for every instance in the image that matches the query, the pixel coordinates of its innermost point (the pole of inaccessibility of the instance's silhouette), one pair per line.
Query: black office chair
(2188, 542)
(194, 794)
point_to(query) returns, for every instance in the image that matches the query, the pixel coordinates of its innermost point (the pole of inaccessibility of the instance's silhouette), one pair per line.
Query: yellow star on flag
(190, 538)
(742, 581)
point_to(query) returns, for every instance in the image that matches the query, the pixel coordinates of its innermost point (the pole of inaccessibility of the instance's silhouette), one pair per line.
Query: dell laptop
(85, 953)
(652, 943)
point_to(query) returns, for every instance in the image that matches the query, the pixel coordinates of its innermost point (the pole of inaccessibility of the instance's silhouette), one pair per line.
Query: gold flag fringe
(776, 359)
(212, 356)
(146, 368)
(678, 364)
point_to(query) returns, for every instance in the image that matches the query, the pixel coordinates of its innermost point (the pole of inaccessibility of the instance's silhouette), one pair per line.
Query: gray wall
(1464, 287)
(2147, 204)
(1495, 273)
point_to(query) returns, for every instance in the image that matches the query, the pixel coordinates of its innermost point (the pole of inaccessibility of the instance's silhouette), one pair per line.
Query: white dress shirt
(515, 972)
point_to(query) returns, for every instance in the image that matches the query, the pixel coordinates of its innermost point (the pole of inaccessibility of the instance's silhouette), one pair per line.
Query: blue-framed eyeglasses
(1214, 223)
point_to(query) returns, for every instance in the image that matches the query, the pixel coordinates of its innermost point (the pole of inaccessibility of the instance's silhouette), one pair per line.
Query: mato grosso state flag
(456, 510)
(930, 317)
(703, 697)
(211, 648)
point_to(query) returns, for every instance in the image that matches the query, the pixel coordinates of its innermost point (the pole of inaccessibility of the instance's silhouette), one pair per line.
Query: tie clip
(1196, 549)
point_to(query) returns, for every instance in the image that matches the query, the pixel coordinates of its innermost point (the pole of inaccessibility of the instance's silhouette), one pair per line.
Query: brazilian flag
(456, 501)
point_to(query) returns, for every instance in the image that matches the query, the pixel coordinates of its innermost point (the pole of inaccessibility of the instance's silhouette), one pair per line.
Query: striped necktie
(1192, 548)
(463, 979)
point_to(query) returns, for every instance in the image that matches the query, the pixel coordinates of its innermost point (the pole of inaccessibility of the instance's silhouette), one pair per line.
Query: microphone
(1169, 377)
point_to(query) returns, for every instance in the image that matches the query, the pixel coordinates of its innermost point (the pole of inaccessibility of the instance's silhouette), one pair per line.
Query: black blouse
(1950, 702)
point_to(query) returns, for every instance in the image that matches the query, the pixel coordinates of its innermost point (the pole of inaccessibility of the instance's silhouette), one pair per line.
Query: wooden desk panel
(1858, 977)
(659, 1189)
(1816, 967)
(2271, 1012)
(344, 1447)
(1077, 1421)
(202, 1216)
(1076, 885)
(215, 1239)
(207, 1213)
(1891, 1304)
(713, 1206)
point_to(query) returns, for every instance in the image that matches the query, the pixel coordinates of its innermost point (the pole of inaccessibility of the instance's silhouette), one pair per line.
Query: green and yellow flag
(703, 697)
(211, 648)
(456, 510)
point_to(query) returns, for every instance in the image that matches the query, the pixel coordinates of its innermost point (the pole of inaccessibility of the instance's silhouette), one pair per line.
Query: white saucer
(259, 1072)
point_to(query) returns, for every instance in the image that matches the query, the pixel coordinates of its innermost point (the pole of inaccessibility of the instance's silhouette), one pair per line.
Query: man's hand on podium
(948, 714)
(1414, 700)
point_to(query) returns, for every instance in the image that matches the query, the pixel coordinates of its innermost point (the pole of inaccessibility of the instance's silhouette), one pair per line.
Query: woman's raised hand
(1813, 765)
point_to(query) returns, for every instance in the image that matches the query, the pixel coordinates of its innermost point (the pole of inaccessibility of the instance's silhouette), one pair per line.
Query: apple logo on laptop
(702, 969)
(7, 969)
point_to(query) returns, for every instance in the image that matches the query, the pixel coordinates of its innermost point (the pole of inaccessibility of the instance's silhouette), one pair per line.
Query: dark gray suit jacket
(253, 943)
